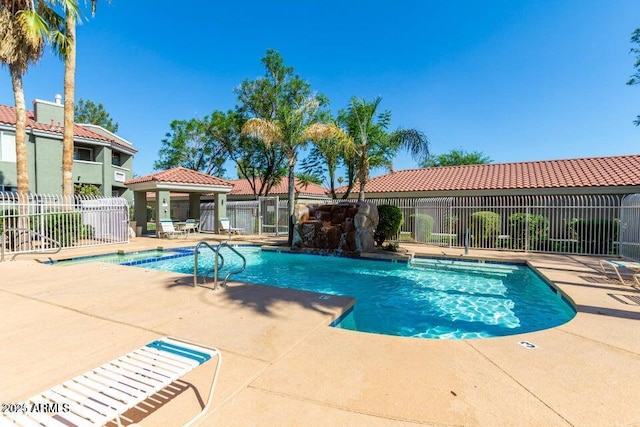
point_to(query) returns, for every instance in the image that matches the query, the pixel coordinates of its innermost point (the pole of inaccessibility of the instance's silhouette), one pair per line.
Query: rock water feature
(344, 228)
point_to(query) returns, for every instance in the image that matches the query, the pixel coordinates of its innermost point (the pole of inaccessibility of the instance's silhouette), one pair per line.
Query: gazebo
(177, 180)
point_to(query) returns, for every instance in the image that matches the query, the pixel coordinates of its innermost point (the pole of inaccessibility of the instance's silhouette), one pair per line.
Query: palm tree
(372, 144)
(292, 129)
(25, 26)
(23, 33)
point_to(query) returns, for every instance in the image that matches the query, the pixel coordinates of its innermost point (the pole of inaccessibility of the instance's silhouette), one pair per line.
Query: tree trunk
(364, 177)
(69, 91)
(291, 199)
(21, 236)
(22, 168)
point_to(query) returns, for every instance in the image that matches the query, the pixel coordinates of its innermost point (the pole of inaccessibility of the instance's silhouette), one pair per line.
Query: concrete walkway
(284, 366)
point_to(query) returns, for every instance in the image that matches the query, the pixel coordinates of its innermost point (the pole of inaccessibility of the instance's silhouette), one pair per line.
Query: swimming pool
(431, 298)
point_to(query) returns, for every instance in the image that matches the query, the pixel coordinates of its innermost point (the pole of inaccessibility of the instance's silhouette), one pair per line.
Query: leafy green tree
(371, 144)
(635, 78)
(456, 157)
(89, 112)
(284, 115)
(194, 144)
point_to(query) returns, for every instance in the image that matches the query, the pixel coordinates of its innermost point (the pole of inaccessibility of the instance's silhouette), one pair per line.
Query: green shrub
(594, 236)
(537, 227)
(65, 228)
(485, 227)
(423, 227)
(389, 222)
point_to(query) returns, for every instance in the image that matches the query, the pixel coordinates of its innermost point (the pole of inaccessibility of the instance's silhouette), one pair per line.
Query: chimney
(46, 112)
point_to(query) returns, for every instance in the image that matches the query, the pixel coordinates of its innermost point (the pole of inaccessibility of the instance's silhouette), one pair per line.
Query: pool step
(453, 265)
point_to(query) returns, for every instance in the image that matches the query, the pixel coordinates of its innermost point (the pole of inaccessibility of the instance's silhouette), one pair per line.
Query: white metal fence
(580, 224)
(40, 222)
(586, 224)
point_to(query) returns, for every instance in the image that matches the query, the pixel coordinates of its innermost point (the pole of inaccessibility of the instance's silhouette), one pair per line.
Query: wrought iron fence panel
(585, 224)
(244, 215)
(629, 240)
(36, 222)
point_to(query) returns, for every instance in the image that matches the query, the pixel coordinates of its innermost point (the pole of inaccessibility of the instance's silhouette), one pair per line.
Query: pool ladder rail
(216, 267)
(26, 236)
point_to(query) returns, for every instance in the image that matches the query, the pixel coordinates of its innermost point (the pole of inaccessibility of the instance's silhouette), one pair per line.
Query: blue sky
(517, 80)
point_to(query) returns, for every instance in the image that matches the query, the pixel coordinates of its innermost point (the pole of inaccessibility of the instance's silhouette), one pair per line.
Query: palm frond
(414, 141)
(268, 131)
(34, 27)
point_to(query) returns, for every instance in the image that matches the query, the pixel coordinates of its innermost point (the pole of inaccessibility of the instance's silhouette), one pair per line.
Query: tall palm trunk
(291, 198)
(364, 174)
(22, 168)
(69, 91)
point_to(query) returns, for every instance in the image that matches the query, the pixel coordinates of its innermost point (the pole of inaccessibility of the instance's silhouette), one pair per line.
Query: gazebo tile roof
(181, 175)
(569, 173)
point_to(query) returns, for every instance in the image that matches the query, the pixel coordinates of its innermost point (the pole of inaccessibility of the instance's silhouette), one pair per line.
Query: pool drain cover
(527, 344)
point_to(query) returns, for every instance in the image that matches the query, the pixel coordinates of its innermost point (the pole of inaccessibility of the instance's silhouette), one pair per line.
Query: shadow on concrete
(610, 312)
(263, 298)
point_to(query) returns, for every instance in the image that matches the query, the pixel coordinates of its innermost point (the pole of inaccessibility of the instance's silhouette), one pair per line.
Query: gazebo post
(220, 210)
(140, 209)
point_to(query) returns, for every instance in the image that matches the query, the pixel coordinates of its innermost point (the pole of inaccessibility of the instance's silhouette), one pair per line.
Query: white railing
(581, 224)
(33, 222)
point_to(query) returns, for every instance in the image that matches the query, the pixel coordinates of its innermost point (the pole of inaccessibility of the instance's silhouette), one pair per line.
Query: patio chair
(616, 265)
(168, 230)
(226, 228)
(192, 226)
(103, 394)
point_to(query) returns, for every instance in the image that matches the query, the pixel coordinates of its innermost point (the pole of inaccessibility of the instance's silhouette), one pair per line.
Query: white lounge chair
(168, 230)
(103, 394)
(225, 227)
(191, 226)
(616, 265)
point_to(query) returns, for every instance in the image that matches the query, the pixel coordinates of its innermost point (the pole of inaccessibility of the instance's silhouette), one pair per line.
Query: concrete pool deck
(284, 366)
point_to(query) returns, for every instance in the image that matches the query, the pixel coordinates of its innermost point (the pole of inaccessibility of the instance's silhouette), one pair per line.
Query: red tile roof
(241, 187)
(8, 116)
(181, 176)
(570, 173)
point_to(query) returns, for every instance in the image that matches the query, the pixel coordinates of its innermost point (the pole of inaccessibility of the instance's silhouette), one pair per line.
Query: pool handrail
(3, 242)
(195, 259)
(216, 267)
(215, 273)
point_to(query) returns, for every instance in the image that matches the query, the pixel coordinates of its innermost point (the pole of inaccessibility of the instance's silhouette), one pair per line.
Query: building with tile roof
(101, 158)
(304, 193)
(595, 175)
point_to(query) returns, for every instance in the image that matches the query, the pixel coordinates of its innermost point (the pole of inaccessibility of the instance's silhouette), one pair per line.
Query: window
(7, 147)
(8, 188)
(83, 153)
(116, 159)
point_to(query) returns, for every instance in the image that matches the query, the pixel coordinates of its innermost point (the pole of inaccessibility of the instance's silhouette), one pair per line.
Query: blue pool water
(430, 298)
